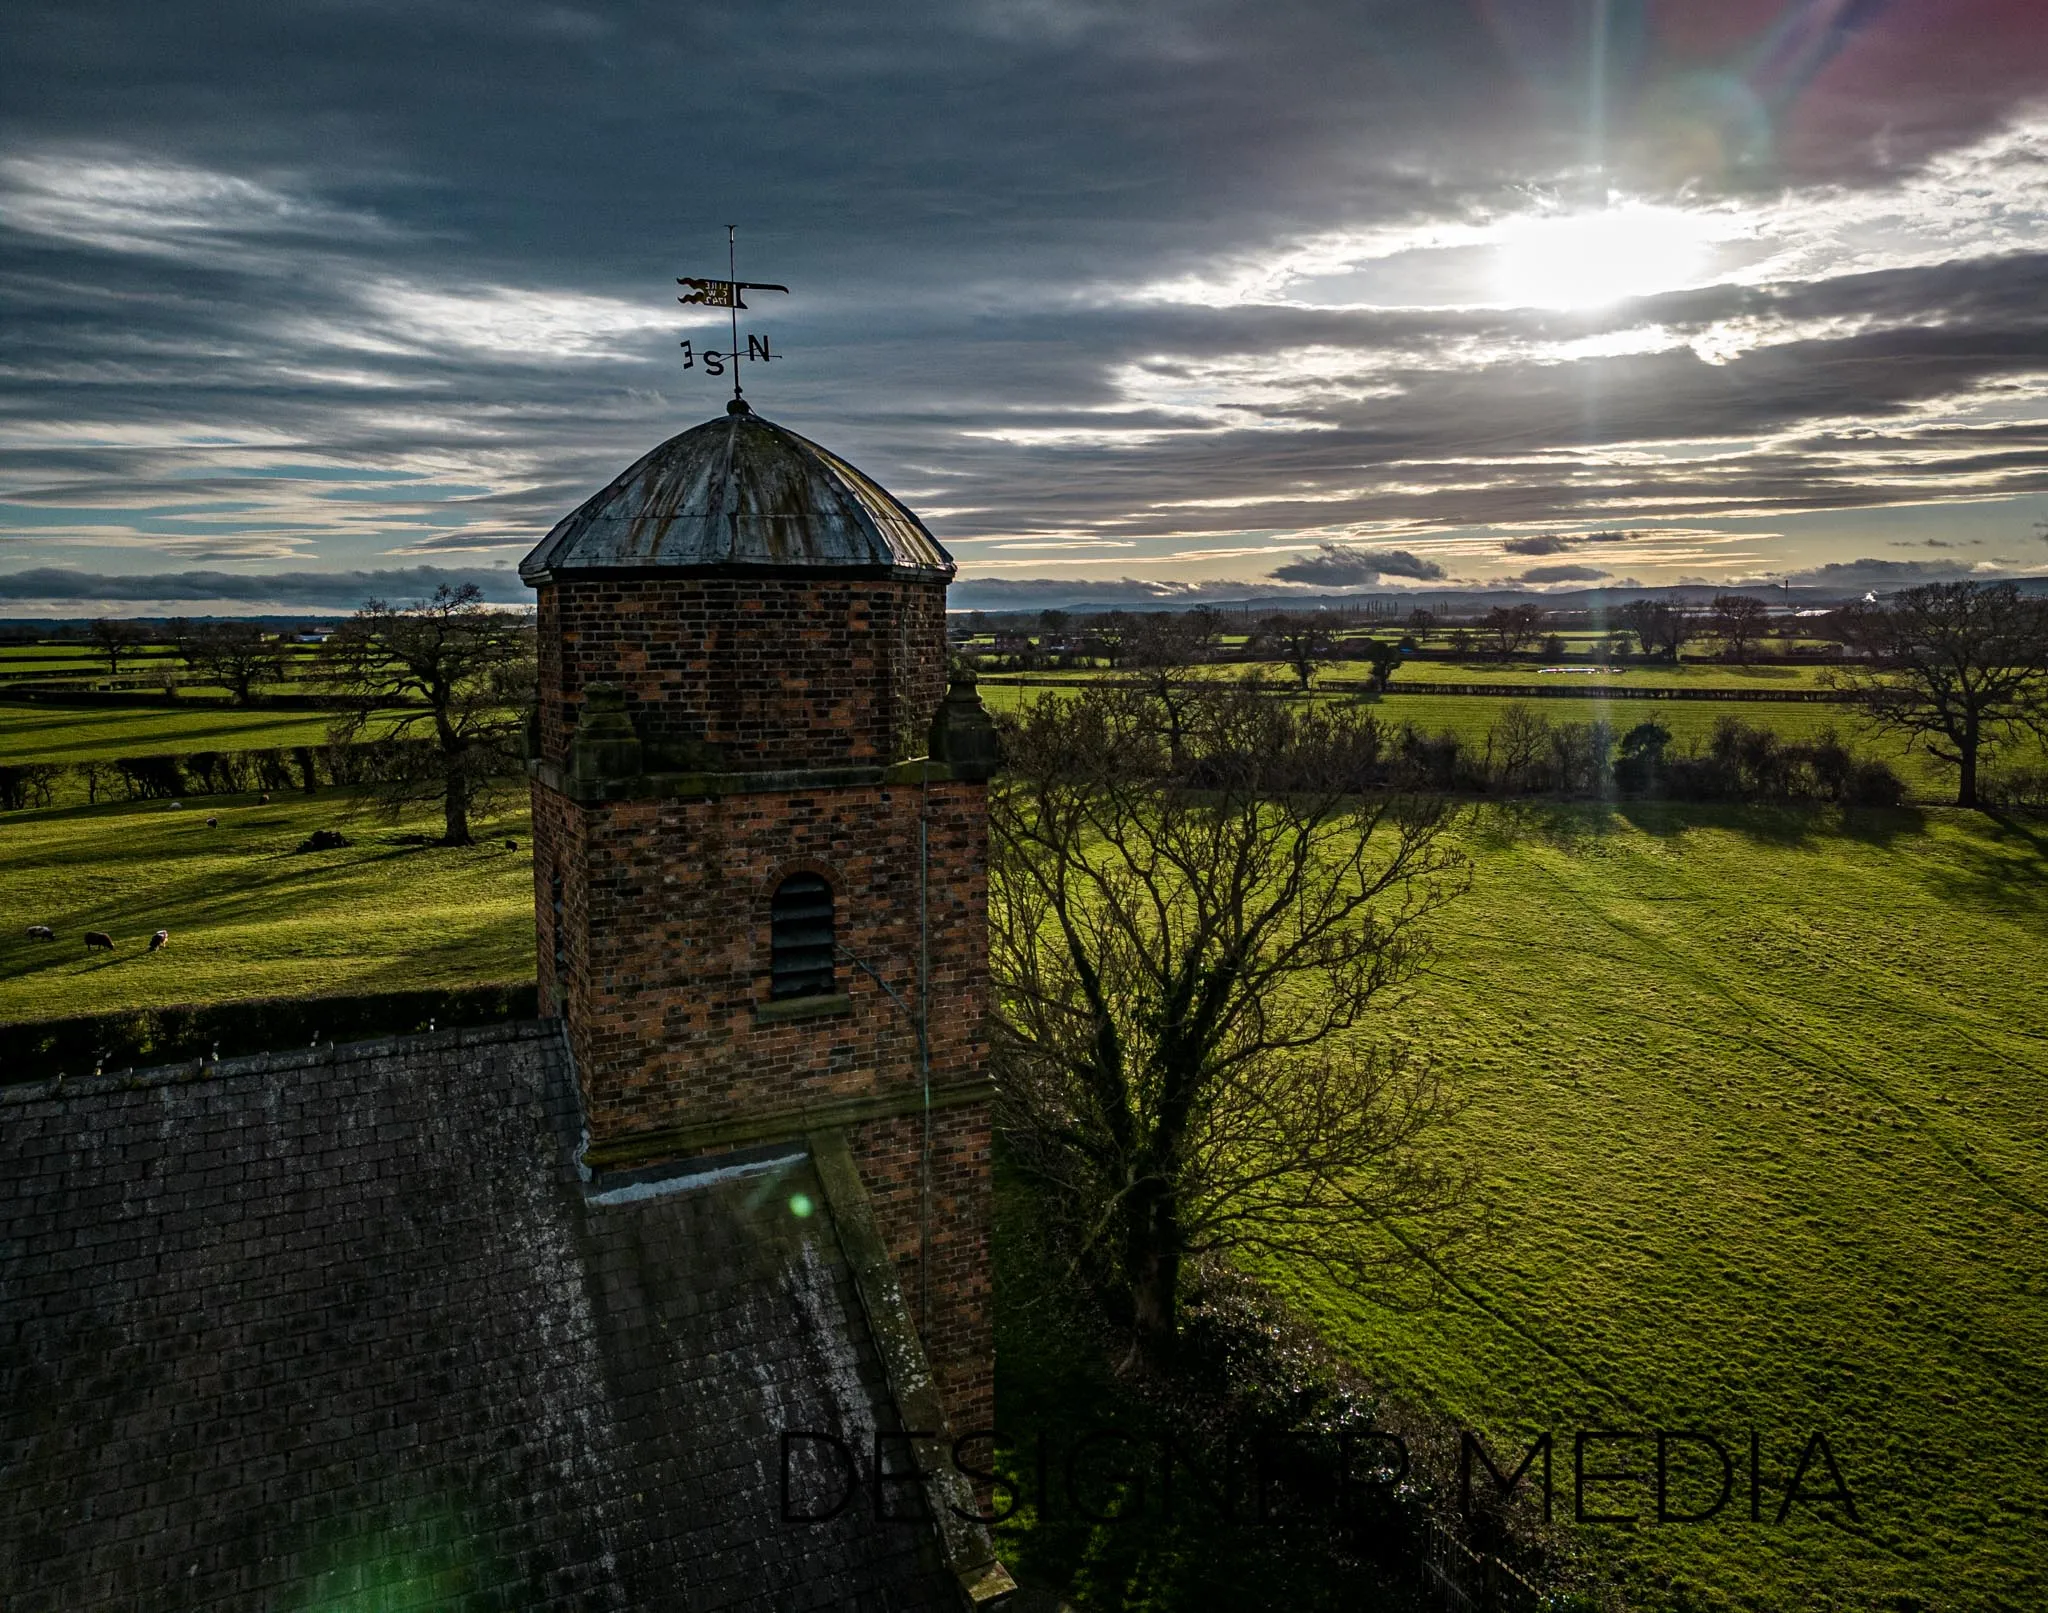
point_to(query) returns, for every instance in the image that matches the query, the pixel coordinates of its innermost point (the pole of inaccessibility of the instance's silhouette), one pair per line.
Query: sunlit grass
(1761, 1102)
(30, 733)
(250, 915)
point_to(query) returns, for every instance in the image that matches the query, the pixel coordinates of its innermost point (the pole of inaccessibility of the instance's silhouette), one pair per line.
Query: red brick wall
(959, 1337)
(665, 907)
(779, 672)
(667, 903)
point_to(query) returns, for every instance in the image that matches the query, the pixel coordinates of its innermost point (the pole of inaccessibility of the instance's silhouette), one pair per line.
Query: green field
(1761, 1096)
(250, 916)
(1764, 1107)
(1633, 673)
(1688, 721)
(31, 733)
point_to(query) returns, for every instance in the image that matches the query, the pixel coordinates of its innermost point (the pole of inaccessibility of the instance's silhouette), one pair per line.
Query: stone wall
(825, 670)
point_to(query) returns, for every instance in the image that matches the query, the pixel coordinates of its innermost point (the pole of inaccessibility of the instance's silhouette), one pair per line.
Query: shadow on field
(1583, 827)
(2004, 866)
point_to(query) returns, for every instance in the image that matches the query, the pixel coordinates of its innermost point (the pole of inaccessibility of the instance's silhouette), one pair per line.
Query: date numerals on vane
(716, 359)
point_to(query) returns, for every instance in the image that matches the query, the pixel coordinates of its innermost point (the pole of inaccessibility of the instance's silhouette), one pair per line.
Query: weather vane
(726, 294)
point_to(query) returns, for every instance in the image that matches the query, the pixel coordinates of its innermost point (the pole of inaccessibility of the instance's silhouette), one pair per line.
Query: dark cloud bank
(435, 243)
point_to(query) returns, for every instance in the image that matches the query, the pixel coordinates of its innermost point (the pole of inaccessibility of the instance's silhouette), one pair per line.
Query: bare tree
(1165, 647)
(1114, 633)
(1738, 622)
(1959, 668)
(1660, 628)
(1512, 627)
(114, 637)
(238, 655)
(1302, 643)
(1178, 952)
(461, 675)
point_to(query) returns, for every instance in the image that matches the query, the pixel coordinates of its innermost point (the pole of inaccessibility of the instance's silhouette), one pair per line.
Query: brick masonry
(776, 671)
(663, 919)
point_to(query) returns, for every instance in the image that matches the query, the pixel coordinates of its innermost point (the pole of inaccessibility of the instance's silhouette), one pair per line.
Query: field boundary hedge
(140, 1037)
(1592, 691)
(156, 699)
(1504, 691)
(164, 775)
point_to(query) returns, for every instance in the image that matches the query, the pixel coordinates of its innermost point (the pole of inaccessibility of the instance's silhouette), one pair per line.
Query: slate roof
(740, 491)
(345, 1328)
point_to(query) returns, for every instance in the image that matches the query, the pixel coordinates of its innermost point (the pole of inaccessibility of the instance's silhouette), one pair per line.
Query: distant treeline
(1525, 753)
(170, 775)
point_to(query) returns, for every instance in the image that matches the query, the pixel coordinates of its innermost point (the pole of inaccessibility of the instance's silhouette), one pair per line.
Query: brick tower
(760, 844)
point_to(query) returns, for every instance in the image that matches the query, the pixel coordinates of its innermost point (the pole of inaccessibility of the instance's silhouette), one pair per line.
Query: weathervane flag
(723, 293)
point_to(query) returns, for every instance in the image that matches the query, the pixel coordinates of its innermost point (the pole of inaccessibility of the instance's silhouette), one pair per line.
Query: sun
(1582, 260)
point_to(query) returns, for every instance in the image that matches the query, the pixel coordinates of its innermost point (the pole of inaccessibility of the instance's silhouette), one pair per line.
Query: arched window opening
(800, 949)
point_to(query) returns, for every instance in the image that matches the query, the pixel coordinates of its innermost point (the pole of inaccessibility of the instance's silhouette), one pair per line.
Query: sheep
(263, 799)
(98, 938)
(158, 941)
(41, 932)
(213, 823)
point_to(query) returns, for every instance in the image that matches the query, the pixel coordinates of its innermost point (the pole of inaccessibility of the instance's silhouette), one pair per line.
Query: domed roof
(740, 492)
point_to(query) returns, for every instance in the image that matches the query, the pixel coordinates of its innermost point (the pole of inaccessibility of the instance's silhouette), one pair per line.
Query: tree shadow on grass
(2002, 867)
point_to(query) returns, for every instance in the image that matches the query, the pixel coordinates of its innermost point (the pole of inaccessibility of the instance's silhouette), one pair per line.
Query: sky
(1129, 301)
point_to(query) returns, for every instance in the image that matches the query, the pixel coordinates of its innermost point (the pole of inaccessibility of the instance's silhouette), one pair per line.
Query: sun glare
(1581, 260)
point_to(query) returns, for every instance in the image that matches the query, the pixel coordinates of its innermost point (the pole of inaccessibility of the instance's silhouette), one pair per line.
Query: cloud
(1546, 543)
(1543, 574)
(322, 590)
(1337, 565)
(1195, 278)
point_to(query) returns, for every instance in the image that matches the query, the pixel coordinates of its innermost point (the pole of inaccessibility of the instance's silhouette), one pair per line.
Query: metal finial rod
(732, 269)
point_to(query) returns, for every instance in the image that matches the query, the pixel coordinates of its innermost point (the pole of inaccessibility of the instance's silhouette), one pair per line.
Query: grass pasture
(249, 915)
(1764, 1107)
(32, 733)
(1761, 1096)
(1689, 722)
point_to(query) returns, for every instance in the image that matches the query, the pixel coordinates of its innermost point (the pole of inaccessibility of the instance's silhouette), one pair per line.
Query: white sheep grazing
(162, 938)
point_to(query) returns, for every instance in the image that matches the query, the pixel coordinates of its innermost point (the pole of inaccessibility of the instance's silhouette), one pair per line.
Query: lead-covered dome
(740, 492)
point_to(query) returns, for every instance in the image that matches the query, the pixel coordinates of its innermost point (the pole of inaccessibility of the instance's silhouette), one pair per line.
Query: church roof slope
(348, 1326)
(740, 492)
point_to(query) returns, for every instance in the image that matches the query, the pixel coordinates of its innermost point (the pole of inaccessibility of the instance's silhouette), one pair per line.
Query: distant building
(521, 1317)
